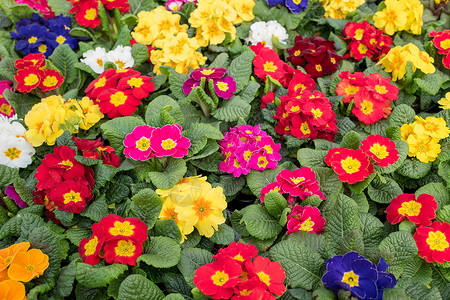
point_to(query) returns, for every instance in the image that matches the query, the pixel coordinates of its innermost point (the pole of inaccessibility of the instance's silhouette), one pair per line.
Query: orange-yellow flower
(392, 18)
(27, 265)
(7, 255)
(12, 290)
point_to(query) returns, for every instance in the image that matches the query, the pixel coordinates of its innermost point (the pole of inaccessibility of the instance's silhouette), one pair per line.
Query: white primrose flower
(263, 32)
(121, 57)
(96, 59)
(15, 152)
(10, 127)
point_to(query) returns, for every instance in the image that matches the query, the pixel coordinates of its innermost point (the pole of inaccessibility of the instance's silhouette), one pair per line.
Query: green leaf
(7, 68)
(418, 270)
(191, 259)
(383, 192)
(302, 266)
(174, 297)
(230, 184)
(360, 186)
(64, 284)
(275, 203)
(198, 134)
(169, 228)
(353, 241)
(172, 173)
(137, 287)
(311, 158)
(241, 68)
(239, 226)
(29, 222)
(350, 140)
(329, 181)
(75, 235)
(83, 67)
(8, 175)
(81, 32)
(414, 169)
(342, 219)
(403, 149)
(163, 252)
(65, 59)
(444, 214)
(175, 283)
(249, 92)
(260, 223)
(422, 292)
(146, 205)
(22, 103)
(402, 245)
(153, 113)
(96, 210)
(232, 110)
(430, 83)
(117, 129)
(401, 114)
(176, 81)
(98, 276)
(103, 174)
(440, 193)
(372, 231)
(209, 163)
(323, 294)
(315, 242)
(223, 236)
(221, 61)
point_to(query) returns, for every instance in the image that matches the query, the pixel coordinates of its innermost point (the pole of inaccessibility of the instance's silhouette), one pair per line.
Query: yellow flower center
(359, 34)
(317, 113)
(379, 151)
(207, 72)
(262, 162)
(6, 109)
(91, 14)
(220, 278)
(32, 40)
(12, 153)
(247, 155)
(42, 48)
(381, 89)
(125, 228)
(295, 108)
(445, 44)
(350, 278)
(168, 144)
(350, 165)
(297, 180)
(268, 148)
(60, 39)
(50, 81)
(125, 248)
(143, 144)
(99, 62)
(304, 128)
(202, 208)
(30, 268)
(135, 82)
(319, 68)
(300, 86)
(101, 81)
(362, 48)
(297, 53)
(367, 107)
(118, 99)
(410, 208)
(333, 60)
(245, 292)
(91, 246)
(437, 241)
(264, 277)
(223, 86)
(307, 225)
(238, 257)
(297, 2)
(120, 64)
(72, 197)
(270, 67)
(31, 79)
(66, 163)
(351, 89)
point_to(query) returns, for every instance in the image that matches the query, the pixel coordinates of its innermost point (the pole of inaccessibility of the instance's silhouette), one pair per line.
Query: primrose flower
(431, 126)
(269, 272)
(168, 141)
(444, 102)
(13, 290)
(419, 211)
(400, 15)
(137, 143)
(89, 249)
(10, 191)
(441, 40)
(7, 255)
(5, 108)
(380, 149)
(434, 242)
(306, 218)
(174, 5)
(123, 251)
(95, 59)
(121, 57)
(237, 251)
(351, 165)
(27, 265)
(71, 196)
(116, 227)
(15, 152)
(338, 9)
(265, 31)
(225, 87)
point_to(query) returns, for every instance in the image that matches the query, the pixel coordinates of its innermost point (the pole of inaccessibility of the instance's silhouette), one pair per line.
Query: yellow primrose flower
(391, 18)
(338, 9)
(244, 10)
(44, 120)
(420, 59)
(395, 62)
(414, 9)
(168, 212)
(432, 126)
(426, 150)
(83, 113)
(445, 102)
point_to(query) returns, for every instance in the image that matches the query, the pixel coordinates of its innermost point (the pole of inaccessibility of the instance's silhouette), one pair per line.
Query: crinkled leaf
(232, 110)
(383, 192)
(260, 223)
(402, 245)
(117, 129)
(223, 236)
(153, 113)
(137, 287)
(275, 203)
(241, 68)
(163, 252)
(98, 276)
(311, 158)
(401, 114)
(146, 205)
(413, 168)
(440, 193)
(96, 210)
(172, 173)
(191, 259)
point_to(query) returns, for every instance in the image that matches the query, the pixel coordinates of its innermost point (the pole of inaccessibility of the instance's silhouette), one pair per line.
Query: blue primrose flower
(296, 6)
(274, 2)
(66, 22)
(29, 38)
(358, 275)
(60, 35)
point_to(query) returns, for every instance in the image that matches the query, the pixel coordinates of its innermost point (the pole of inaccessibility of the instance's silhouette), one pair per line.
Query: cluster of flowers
(38, 35)
(248, 147)
(15, 150)
(224, 87)
(305, 218)
(48, 119)
(441, 40)
(19, 264)
(162, 29)
(40, 5)
(298, 183)
(423, 136)
(32, 73)
(357, 274)
(338, 9)
(356, 165)
(400, 15)
(145, 142)
(371, 94)
(86, 11)
(233, 275)
(63, 182)
(305, 113)
(396, 59)
(5, 108)
(432, 238)
(263, 32)
(96, 150)
(317, 55)
(96, 59)
(193, 202)
(295, 6)
(119, 92)
(115, 239)
(213, 19)
(366, 41)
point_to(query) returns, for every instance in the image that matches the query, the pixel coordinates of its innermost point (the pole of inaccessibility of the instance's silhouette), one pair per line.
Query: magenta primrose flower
(5, 108)
(174, 5)
(168, 141)
(137, 143)
(216, 73)
(225, 87)
(306, 218)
